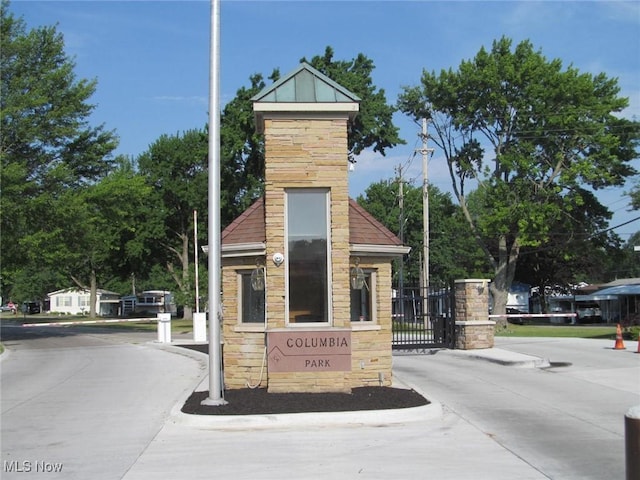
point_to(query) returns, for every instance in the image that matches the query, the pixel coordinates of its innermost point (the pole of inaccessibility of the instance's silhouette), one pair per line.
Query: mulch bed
(247, 401)
(257, 401)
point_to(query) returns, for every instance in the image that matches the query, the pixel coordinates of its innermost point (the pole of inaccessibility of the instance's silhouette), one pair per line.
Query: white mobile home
(76, 301)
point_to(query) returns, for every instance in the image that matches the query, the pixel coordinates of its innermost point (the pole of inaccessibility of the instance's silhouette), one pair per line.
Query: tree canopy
(373, 126)
(48, 147)
(527, 144)
(452, 253)
(532, 138)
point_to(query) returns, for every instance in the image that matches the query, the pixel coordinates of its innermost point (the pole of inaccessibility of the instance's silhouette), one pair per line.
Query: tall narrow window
(252, 299)
(308, 254)
(363, 299)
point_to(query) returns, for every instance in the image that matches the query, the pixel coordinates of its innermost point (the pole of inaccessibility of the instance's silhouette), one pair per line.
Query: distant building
(148, 303)
(518, 298)
(76, 301)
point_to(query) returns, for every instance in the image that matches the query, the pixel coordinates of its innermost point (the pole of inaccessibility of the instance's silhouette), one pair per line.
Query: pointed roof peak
(305, 84)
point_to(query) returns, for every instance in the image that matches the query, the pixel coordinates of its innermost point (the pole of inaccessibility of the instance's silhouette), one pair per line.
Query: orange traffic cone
(638, 351)
(619, 343)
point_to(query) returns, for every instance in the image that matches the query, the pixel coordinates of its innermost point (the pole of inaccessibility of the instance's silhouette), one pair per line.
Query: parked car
(31, 307)
(10, 307)
(589, 313)
(5, 308)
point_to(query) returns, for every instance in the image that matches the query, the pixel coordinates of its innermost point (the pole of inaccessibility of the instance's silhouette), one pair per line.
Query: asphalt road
(82, 405)
(99, 406)
(566, 421)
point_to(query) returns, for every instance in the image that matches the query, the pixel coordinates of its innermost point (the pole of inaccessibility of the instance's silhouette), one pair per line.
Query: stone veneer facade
(245, 362)
(307, 152)
(473, 329)
(308, 149)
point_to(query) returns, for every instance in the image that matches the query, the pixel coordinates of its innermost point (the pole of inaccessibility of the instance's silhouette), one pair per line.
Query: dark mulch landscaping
(257, 401)
(247, 401)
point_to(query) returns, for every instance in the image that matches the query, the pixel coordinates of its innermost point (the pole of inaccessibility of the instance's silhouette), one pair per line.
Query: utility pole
(425, 151)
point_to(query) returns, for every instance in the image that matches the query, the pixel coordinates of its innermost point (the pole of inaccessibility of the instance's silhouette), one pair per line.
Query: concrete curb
(432, 410)
(307, 420)
(504, 357)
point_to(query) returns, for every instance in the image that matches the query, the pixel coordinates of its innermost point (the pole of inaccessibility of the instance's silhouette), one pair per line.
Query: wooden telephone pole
(425, 151)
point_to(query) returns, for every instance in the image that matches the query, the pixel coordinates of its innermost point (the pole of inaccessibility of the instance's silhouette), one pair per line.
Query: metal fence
(418, 324)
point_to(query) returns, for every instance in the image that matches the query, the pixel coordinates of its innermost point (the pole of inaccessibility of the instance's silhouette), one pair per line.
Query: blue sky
(151, 58)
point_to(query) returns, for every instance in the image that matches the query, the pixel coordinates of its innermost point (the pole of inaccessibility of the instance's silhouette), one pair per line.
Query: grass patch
(575, 331)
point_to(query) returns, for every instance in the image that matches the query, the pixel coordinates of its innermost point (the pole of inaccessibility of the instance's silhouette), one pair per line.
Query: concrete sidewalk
(428, 441)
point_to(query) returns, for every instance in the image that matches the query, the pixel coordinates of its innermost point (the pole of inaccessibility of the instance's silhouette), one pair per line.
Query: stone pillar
(474, 330)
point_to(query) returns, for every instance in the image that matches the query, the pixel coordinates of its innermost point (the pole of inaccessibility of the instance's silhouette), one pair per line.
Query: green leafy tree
(96, 231)
(373, 126)
(532, 137)
(242, 149)
(577, 249)
(629, 265)
(452, 252)
(47, 146)
(175, 167)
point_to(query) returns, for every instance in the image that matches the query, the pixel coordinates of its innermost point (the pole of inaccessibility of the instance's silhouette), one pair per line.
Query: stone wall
(473, 329)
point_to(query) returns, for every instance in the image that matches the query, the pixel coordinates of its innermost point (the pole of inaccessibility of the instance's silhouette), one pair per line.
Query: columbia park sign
(309, 351)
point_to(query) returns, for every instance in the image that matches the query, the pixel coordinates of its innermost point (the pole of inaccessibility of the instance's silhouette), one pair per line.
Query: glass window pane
(307, 256)
(252, 301)
(361, 301)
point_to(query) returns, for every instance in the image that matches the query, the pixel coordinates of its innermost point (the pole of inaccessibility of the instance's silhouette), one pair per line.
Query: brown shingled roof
(363, 228)
(249, 227)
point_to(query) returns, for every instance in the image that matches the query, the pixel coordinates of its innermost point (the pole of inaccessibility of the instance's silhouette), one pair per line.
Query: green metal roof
(305, 85)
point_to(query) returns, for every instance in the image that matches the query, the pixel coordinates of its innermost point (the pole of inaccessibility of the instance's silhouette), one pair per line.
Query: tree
(531, 137)
(628, 266)
(242, 149)
(96, 233)
(578, 249)
(47, 146)
(175, 167)
(451, 254)
(373, 126)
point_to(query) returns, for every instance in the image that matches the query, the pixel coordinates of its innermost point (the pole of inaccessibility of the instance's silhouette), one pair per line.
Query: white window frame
(64, 301)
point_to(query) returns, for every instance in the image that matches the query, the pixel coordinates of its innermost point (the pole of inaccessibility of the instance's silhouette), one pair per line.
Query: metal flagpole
(215, 311)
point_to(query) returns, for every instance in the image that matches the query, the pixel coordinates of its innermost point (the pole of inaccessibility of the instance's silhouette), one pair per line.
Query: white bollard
(200, 327)
(164, 327)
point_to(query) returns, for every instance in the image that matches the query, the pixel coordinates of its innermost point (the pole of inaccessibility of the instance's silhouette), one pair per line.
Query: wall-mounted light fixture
(356, 276)
(278, 258)
(258, 276)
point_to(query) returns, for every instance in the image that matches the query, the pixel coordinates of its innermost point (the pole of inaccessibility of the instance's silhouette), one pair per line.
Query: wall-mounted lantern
(257, 276)
(357, 276)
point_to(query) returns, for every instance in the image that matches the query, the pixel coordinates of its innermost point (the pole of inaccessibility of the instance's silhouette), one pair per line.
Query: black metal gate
(416, 328)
